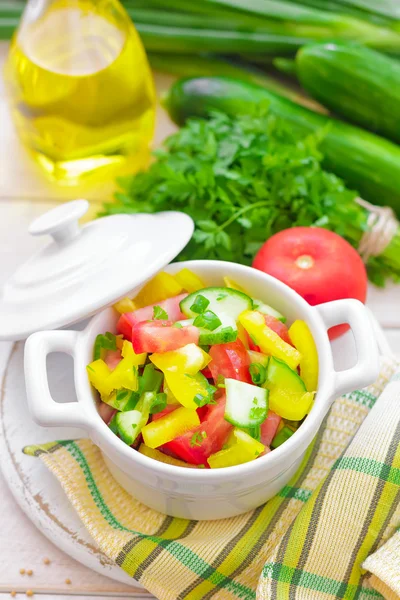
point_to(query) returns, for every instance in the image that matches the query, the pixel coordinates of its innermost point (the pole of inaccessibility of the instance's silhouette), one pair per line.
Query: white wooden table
(24, 194)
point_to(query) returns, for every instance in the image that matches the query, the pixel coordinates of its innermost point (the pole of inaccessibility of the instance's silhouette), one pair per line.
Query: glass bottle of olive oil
(81, 88)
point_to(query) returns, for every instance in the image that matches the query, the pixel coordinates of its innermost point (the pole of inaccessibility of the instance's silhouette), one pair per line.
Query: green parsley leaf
(108, 341)
(197, 438)
(159, 313)
(243, 178)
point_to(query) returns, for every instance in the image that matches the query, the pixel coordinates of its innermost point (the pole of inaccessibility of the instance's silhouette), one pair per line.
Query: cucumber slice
(129, 425)
(246, 404)
(131, 422)
(288, 396)
(280, 375)
(226, 301)
(265, 309)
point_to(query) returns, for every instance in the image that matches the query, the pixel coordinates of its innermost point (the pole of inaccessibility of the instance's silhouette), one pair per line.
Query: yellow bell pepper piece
(190, 359)
(125, 375)
(304, 342)
(161, 457)
(161, 287)
(290, 405)
(268, 341)
(185, 387)
(125, 305)
(241, 448)
(170, 397)
(232, 284)
(189, 281)
(129, 353)
(242, 336)
(99, 376)
(167, 428)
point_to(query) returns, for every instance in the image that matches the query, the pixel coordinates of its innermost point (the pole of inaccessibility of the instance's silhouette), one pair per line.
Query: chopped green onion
(255, 432)
(150, 380)
(177, 325)
(221, 297)
(104, 342)
(159, 403)
(159, 313)
(207, 320)
(282, 436)
(200, 304)
(258, 373)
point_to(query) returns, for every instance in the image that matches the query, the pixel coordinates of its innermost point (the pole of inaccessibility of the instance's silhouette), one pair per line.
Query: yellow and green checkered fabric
(330, 533)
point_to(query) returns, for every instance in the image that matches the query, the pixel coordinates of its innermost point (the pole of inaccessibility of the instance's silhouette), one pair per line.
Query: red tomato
(128, 320)
(230, 361)
(269, 428)
(216, 433)
(318, 264)
(207, 373)
(277, 326)
(160, 336)
(106, 412)
(112, 358)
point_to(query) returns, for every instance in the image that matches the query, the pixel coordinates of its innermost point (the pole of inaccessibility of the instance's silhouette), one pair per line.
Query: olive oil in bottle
(81, 89)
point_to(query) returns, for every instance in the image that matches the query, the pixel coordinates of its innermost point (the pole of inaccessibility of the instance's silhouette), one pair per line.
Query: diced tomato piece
(216, 431)
(269, 428)
(202, 411)
(279, 328)
(252, 345)
(169, 408)
(112, 358)
(161, 336)
(106, 412)
(125, 325)
(230, 361)
(171, 307)
(207, 373)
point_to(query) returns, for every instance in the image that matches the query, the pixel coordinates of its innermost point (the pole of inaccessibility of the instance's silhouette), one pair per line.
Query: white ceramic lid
(85, 269)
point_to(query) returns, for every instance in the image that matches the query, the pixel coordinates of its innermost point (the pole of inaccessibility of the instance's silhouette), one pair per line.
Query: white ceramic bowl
(204, 493)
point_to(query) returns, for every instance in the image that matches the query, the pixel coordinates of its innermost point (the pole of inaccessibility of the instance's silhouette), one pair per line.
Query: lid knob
(60, 222)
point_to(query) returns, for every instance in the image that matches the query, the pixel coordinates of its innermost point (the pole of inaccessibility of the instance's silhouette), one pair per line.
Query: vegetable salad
(203, 377)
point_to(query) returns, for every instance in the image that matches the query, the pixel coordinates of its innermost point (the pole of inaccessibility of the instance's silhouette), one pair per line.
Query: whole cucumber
(368, 163)
(355, 82)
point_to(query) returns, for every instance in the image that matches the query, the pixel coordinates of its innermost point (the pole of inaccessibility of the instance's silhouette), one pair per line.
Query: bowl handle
(44, 409)
(366, 370)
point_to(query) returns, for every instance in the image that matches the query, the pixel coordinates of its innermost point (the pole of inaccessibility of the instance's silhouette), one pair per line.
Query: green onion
(200, 304)
(150, 380)
(159, 403)
(208, 320)
(107, 341)
(258, 373)
(255, 432)
(282, 436)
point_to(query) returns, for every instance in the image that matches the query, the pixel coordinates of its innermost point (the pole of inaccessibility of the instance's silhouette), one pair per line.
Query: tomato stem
(305, 261)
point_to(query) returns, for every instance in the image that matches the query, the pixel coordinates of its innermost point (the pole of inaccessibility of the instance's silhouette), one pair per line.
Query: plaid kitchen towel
(330, 533)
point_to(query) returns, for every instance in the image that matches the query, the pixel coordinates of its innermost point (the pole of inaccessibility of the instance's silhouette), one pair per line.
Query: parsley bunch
(242, 179)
